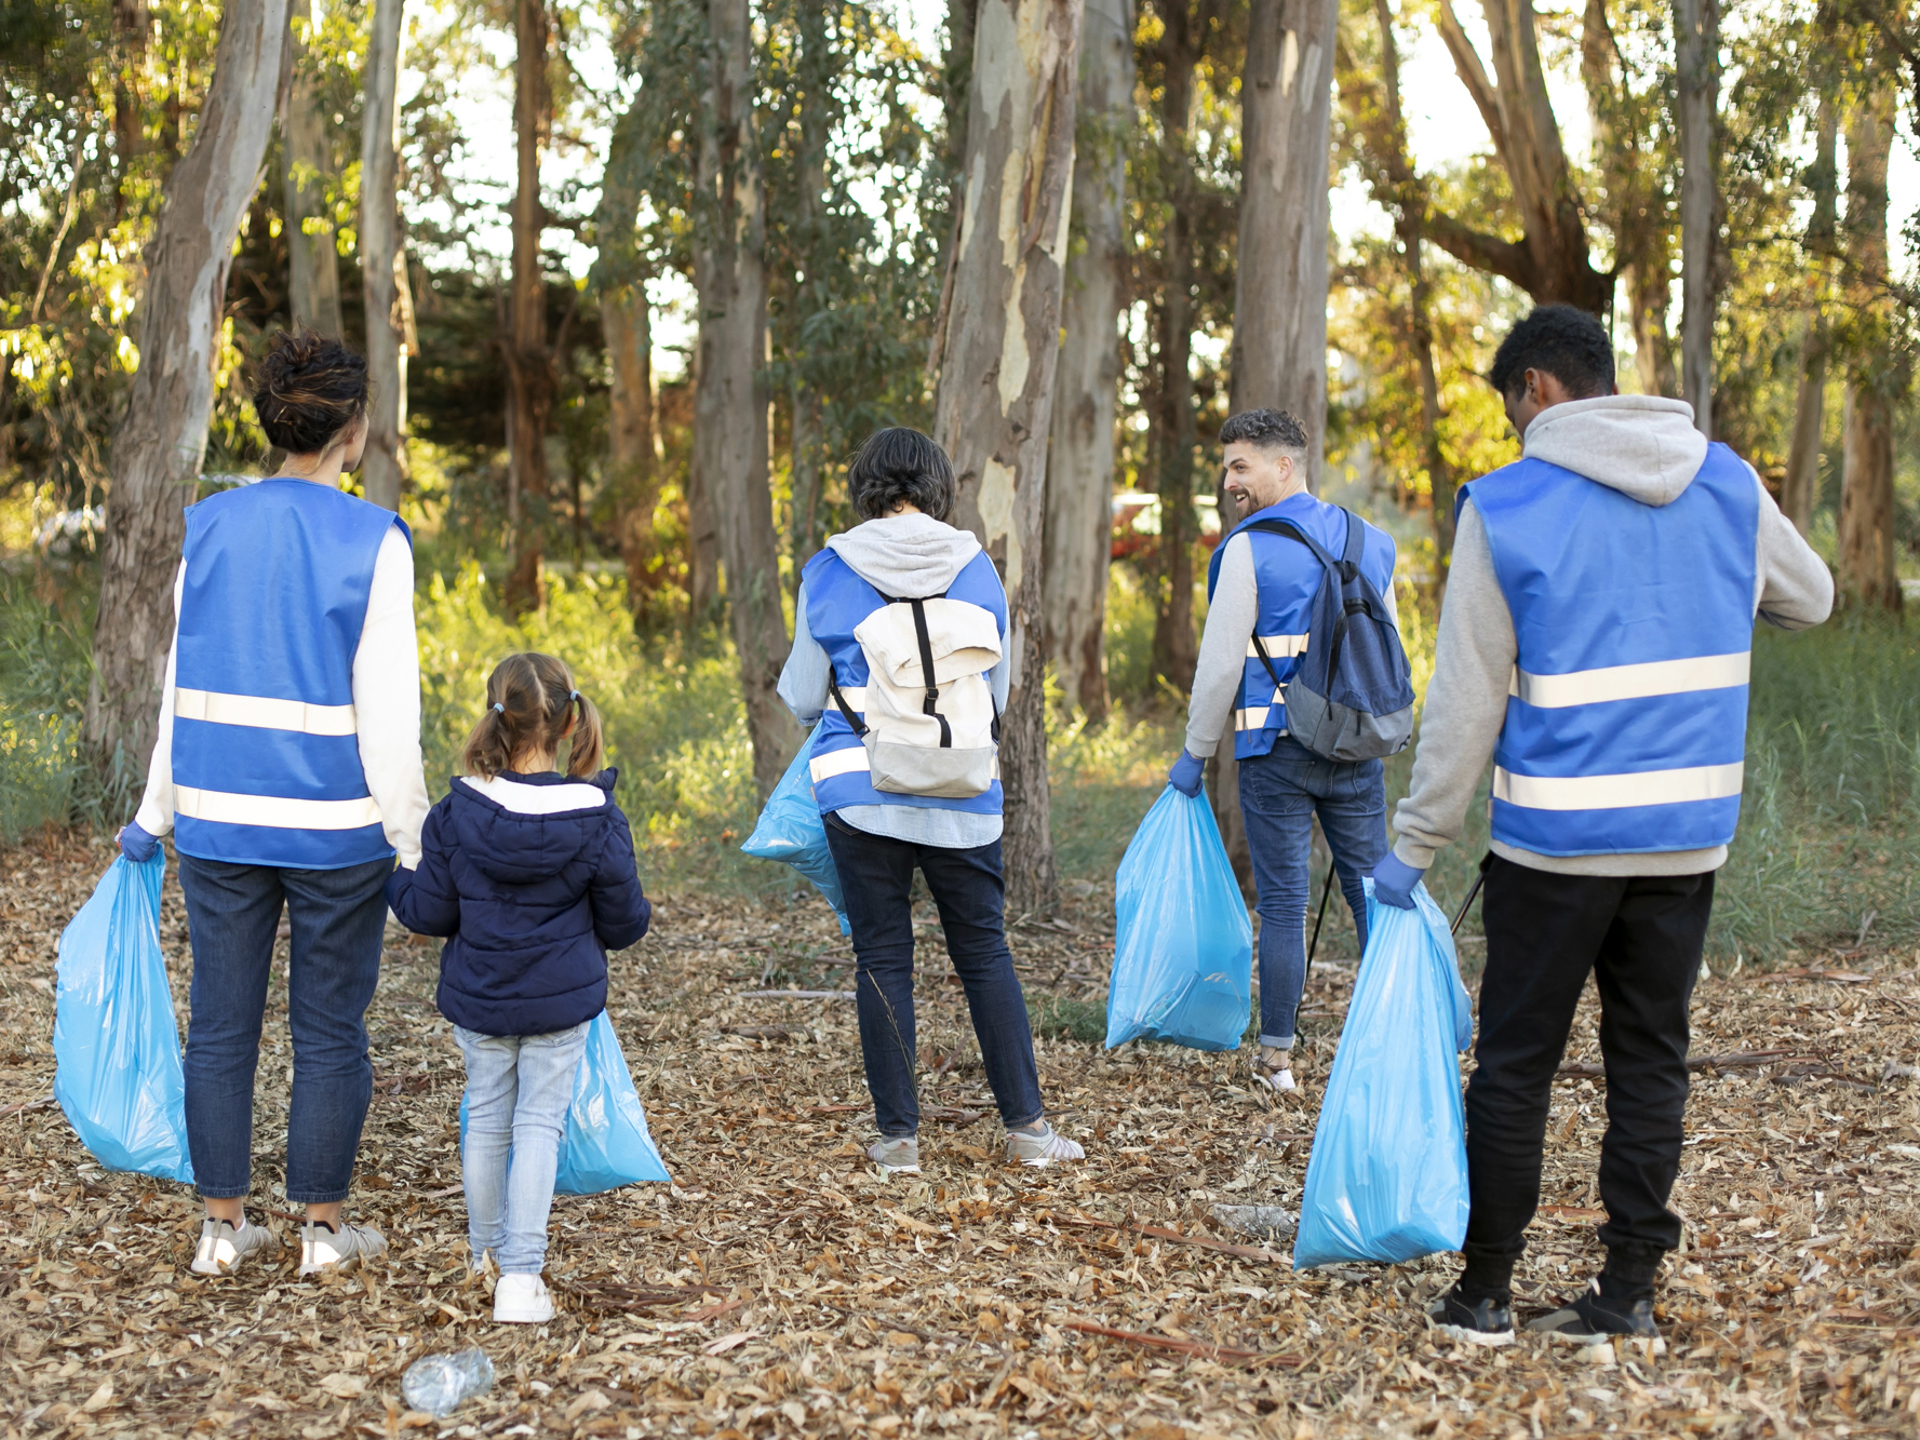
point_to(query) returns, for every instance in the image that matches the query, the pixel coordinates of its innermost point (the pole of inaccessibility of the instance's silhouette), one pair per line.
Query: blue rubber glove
(1393, 882)
(136, 844)
(1186, 774)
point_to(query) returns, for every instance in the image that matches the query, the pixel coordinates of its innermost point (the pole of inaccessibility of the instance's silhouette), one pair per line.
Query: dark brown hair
(310, 389)
(530, 699)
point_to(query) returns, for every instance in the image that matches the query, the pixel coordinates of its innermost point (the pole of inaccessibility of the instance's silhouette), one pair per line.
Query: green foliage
(1060, 1017)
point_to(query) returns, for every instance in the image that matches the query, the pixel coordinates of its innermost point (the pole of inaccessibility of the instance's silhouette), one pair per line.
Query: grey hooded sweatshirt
(906, 556)
(1643, 446)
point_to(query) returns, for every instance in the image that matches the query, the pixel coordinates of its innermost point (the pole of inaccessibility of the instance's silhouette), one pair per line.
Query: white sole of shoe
(523, 1317)
(897, 1169)
(1471, 1337)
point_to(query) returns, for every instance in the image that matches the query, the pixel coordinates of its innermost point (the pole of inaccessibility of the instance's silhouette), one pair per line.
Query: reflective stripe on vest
(1625, 729)
(837, 601)
(1288, 577)
(266, 757)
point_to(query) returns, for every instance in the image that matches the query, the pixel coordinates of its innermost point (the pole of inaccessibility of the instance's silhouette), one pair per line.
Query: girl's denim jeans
(518, 1091)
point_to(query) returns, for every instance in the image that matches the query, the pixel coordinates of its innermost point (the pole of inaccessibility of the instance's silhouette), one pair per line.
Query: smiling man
(1260, 592)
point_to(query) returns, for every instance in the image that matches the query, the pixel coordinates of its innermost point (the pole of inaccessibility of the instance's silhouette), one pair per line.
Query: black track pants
(1641, 939)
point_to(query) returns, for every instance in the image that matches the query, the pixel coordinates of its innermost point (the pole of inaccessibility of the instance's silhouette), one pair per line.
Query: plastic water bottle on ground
(439, 1383)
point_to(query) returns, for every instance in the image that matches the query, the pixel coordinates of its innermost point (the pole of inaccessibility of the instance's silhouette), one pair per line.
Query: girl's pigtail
(589, 742)
(488, 750)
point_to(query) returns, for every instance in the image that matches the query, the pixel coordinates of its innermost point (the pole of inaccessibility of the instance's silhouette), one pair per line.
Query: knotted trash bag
(1182, 946)
(790, 830)
(605, 1143)
(115, 1045)
(1387, 1180)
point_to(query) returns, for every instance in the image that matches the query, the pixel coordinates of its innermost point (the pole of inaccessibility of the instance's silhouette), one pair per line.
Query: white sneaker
(521, 1300)
(1042, 1148)
(223, 1246)
(1272, 1068)
(897, 1157)
(344, 1245)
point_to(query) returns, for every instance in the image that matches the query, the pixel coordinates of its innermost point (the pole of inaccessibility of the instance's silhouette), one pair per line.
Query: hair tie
(573, 695)
(499, 709)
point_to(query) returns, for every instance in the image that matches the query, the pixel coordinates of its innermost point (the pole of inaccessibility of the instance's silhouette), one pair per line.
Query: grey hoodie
(1643, 446)
(904, 556)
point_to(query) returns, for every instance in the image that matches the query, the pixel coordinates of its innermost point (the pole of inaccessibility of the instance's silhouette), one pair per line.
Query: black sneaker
(1595, 1318)
(1485, 1322)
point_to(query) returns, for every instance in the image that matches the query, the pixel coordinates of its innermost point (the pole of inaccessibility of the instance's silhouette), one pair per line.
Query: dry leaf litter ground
(782, 1286)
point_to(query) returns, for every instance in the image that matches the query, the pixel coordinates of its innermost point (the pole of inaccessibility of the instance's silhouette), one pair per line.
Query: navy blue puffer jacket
(532, 878)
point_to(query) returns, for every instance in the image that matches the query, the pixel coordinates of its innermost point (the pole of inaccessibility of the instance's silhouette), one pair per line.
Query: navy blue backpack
(1351, 695)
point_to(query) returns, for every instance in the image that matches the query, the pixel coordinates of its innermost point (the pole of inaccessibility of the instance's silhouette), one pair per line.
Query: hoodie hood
(521, 828)
(1644, 446)
(910, 555)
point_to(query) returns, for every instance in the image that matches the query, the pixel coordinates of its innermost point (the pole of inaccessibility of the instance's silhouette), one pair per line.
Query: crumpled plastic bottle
(439, 1383)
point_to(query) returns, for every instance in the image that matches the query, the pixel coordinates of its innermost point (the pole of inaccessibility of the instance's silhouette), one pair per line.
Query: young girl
(531, 875)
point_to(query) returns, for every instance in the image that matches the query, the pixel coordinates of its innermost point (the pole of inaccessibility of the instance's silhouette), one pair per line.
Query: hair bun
(311, 388)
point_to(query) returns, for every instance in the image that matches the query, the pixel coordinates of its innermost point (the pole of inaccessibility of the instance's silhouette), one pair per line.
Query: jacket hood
(1644, 446)
(908, 556)
(520, 828)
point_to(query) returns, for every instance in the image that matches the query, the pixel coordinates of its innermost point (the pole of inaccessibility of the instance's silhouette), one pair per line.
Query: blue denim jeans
(876, 879)
(518, 1091)
(337, 917)
(1280, 793)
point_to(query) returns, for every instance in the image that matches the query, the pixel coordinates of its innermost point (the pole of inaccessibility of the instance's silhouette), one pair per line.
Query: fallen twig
(40, 1104)
(796, 995)
(1838, 977)
(770, 1032)
(1226, 1353)
(1586, 1069)
(1160, 1232)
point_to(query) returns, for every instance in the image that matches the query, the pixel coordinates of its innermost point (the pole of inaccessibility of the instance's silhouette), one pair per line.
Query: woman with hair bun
(287, 766)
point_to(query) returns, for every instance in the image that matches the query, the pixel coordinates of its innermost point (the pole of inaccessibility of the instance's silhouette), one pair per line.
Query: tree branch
(1473, 75)
(1509, 259)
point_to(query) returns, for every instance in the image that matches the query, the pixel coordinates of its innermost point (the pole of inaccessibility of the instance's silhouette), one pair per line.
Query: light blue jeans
(518, 1091)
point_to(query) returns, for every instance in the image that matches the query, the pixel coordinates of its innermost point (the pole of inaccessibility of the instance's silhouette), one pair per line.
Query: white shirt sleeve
(155, 815)
(386, 700)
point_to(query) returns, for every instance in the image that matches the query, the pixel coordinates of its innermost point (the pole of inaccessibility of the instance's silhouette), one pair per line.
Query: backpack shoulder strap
(1292, 532)
(1356, 542)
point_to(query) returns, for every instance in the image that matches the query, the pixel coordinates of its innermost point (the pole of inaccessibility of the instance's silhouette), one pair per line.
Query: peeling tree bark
(730, 401)
(529, 365)
(994, 400)
(1079, 519)
(1867, 578)
(159, 446)
(1800, 491)
(383, 264)
(313, 264)
(1697, 35)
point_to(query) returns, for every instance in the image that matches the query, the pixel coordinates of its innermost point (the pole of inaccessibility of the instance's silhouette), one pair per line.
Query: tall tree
(1697, 58)
(994, 399)
(313, 264)
(160, 443)
(1867, 577)
(530, 380)
(1080, 460)
(1800, 490)
(383, 263)
(730, 396)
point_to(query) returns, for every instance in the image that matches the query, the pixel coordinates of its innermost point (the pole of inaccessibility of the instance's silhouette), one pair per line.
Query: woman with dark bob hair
(898, 783)
(288, 768)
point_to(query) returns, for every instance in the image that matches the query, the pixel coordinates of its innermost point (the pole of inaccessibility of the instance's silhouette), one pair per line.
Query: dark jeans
(337, 917)
(1641, 939)
(1280, 793)
(876, 879)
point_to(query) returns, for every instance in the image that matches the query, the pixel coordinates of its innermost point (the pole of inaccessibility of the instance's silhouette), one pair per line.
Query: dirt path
(780, 1286)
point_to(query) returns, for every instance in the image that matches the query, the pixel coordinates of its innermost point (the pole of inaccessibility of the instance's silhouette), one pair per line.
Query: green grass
(1059, 1017)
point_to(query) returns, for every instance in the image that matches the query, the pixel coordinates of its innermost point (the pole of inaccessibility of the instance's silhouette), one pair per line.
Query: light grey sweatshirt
(905, 556)
(1643, 446)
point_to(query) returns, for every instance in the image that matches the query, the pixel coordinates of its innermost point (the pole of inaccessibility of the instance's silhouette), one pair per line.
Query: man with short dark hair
(1594, 643)
(1260, 592)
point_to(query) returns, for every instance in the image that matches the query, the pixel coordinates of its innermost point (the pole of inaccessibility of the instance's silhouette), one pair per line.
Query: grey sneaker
(1042, 1147)
(323, 1248)
(224, 1246)
(900, 1156)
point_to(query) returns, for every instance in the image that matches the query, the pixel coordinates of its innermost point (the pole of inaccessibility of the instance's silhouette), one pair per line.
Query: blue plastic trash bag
(790, 830)
(1387, 1180)
(115, 1045)
(605, 1144)
(1182, 945)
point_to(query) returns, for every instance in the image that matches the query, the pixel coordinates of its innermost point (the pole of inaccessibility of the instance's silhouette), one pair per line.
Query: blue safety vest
(266, 755)
(1626, 722)
(837, 601)
(1288, 577)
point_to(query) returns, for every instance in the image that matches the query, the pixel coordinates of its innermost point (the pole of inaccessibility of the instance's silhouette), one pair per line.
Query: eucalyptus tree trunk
(1697, 27)
(529, 365)
(730, 398)
(1867, 576)
(313, 265)
(383, 264)
(160, 443)
(816, 124)
(1086, 395)
(994, 400)
(1800, 491)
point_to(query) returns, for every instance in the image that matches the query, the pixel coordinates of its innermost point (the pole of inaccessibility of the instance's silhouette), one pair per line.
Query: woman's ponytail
(589, 742)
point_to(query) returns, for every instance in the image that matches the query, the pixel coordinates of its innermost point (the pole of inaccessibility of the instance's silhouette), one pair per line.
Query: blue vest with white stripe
(1288, 577)
(266, 759)
(837, 601)
(1626, 723)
